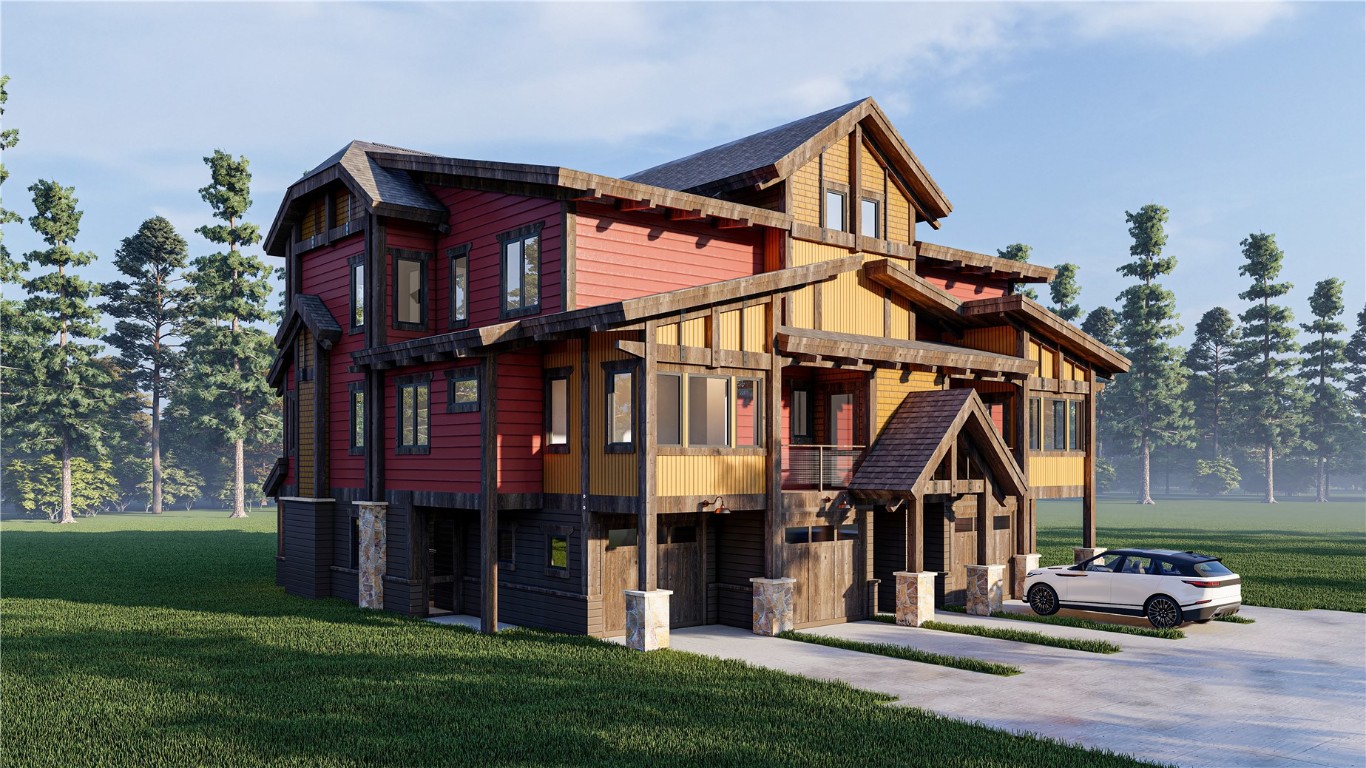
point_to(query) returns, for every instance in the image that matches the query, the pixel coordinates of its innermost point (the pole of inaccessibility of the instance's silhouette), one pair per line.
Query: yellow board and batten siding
(710, 475)
(1001, 339)
(561, 470)
(1057, 470)
(893, 386)
(610, 474)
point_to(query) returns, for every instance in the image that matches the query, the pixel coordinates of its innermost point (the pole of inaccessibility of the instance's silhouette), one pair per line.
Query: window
(869, 220)
(834, 209)
(621, 537)
(357, 418)
(708, 410)
(847, 533)
(557, 410)
(1057, 435)
(1035, 423)
(507, 541)
(414, 414)
(748, 412)
(801, 414)
(410, 290)
(620, 408)
(669, 408)
(460, 285)
(557, 552)
(521, 270)
(462, 390)
(1074, 425)
(357, 292)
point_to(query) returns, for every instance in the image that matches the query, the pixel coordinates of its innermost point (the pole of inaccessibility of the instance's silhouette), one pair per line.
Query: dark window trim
(356, 387)
(808, 425)
(414, 380)
(609, 370)
(291, 426)
(550, 536)
(552, 375)
(453, 255)
(422, 257)
(519, 234)
(463, 373)
(356, 261)
(509, 564)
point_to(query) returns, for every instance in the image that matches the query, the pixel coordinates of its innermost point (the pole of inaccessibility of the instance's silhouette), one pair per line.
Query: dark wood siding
(889, 554)
(306, 568)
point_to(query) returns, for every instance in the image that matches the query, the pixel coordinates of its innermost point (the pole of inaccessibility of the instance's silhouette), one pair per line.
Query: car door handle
(1073, 575)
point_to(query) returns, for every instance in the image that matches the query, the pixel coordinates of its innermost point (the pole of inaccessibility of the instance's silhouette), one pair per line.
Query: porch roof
(882, 352)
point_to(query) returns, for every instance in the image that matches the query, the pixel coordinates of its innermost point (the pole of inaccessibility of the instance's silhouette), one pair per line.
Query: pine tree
(1211, 382)
(1102, 324)
(1356, 392)
(1270, 408)
(1018, 252)
(18, 341)
(231, 291)
(70, 392)
(151, 312)
(1063, 290)
(1329, 423)
(1147, 402)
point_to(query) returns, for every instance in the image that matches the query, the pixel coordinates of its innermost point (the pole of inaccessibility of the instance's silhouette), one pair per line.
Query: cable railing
(820, 467)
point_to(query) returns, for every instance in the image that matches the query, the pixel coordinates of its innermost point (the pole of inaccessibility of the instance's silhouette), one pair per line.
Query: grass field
(1295, 554)
(138, 641)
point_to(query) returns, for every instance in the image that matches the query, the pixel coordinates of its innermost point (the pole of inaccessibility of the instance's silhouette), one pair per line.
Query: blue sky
(1043, 123)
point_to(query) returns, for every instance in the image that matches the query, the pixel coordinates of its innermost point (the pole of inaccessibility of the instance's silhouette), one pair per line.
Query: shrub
(1216, 477)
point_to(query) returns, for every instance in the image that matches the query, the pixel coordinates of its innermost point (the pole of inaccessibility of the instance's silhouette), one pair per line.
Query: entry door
(618, 575)
(443, 565)
(680, 569)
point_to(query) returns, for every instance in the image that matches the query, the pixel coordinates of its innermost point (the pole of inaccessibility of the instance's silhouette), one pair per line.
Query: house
(564, 400)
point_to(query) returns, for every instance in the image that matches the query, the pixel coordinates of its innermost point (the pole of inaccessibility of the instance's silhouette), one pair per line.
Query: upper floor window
(870, 219)
(835, 205)
(460, 285)
(708, 410)
(357, 264)
(357, 417)
(620, 424)
(410, 289)
(462, 390)
(414, 421)
(748, 412)
(521, 270)
(1035, 423)
(669, 408)
(557, 410)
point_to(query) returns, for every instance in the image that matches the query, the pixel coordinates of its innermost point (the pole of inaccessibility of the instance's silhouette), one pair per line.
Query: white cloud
(1194, 26)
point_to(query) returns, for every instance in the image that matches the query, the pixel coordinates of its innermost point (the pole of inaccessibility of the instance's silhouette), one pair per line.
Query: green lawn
(136, 641)
(1295, 554)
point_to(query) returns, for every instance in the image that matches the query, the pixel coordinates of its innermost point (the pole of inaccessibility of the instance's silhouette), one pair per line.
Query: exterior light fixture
(719, 503)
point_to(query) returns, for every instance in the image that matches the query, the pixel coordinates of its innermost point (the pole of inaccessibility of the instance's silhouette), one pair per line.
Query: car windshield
(1212, 568)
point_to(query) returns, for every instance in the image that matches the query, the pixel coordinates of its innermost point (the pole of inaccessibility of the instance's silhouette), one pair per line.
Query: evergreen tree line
(169, 404)
(1256, 402)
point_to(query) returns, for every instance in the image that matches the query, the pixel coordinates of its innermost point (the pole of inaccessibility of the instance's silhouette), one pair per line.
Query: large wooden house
(564, 400)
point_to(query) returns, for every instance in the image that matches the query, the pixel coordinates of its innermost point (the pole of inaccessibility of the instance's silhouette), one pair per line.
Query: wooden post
(773, 512)
(647, 551)
(983, 528)
(1088, 498)
(915, 534)
(488, 513)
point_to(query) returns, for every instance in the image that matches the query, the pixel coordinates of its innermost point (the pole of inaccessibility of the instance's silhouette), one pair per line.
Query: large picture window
(460, 285)
(414, 421)
(410, 290)
(521, 268)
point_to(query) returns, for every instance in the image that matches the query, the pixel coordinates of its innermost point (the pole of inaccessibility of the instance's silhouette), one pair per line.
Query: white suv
(1168, 587)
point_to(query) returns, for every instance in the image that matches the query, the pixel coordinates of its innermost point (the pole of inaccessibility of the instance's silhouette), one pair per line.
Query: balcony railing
(820, 467)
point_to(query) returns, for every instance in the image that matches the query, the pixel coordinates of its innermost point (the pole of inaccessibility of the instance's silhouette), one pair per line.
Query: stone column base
(986, 587)
(773, 605)
(373, 557)
(1085, 553)
(647, 619)
(914, 597)
(1022, 565)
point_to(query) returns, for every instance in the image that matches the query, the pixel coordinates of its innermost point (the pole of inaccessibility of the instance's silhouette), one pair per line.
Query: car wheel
(1163, 612)
(1043, 600)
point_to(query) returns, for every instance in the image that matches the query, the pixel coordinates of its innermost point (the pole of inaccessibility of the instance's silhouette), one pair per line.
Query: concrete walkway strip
(1287, 690)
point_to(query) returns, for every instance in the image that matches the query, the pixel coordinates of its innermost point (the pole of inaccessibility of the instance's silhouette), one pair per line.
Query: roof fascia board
(1040, 320)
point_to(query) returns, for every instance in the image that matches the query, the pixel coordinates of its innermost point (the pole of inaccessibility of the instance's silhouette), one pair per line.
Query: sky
(1043, 123)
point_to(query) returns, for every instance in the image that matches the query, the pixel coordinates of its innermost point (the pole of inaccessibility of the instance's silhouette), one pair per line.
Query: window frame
(729, 409)
(1074, 428)
(610, 371)
(404, 382)
(424, 288)
(461, 254)
(463, 373)
(550, 568)
(357, 425)
(682, 432)
(520, 235)
(843, 193)
(758, 412)
(1036, 424)
(357, 295)
(807, 423)
(1057, 406)
(553, 375)
(876, 218)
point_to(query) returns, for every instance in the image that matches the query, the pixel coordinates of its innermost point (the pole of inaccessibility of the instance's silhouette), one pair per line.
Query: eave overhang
(855, 350)
(1037, 319)
(932, 254)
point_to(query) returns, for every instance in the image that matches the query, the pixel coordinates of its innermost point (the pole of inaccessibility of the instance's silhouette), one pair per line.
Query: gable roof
(919, 435)
(306, 311)
(776, 153)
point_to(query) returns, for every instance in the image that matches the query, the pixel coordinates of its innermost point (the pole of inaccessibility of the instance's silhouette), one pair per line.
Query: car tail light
(1201, 584)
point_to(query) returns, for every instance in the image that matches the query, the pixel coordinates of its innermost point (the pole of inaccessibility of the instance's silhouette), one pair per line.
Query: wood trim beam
(488, 482)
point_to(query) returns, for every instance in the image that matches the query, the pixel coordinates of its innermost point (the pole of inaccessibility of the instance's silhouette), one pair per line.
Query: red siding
(520, 423)
(621, 256)
(327, 275)
(452, 466)
(477, 219)
(965, 286)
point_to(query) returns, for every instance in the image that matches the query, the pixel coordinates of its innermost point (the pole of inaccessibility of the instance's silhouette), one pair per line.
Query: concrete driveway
(1287, 690)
